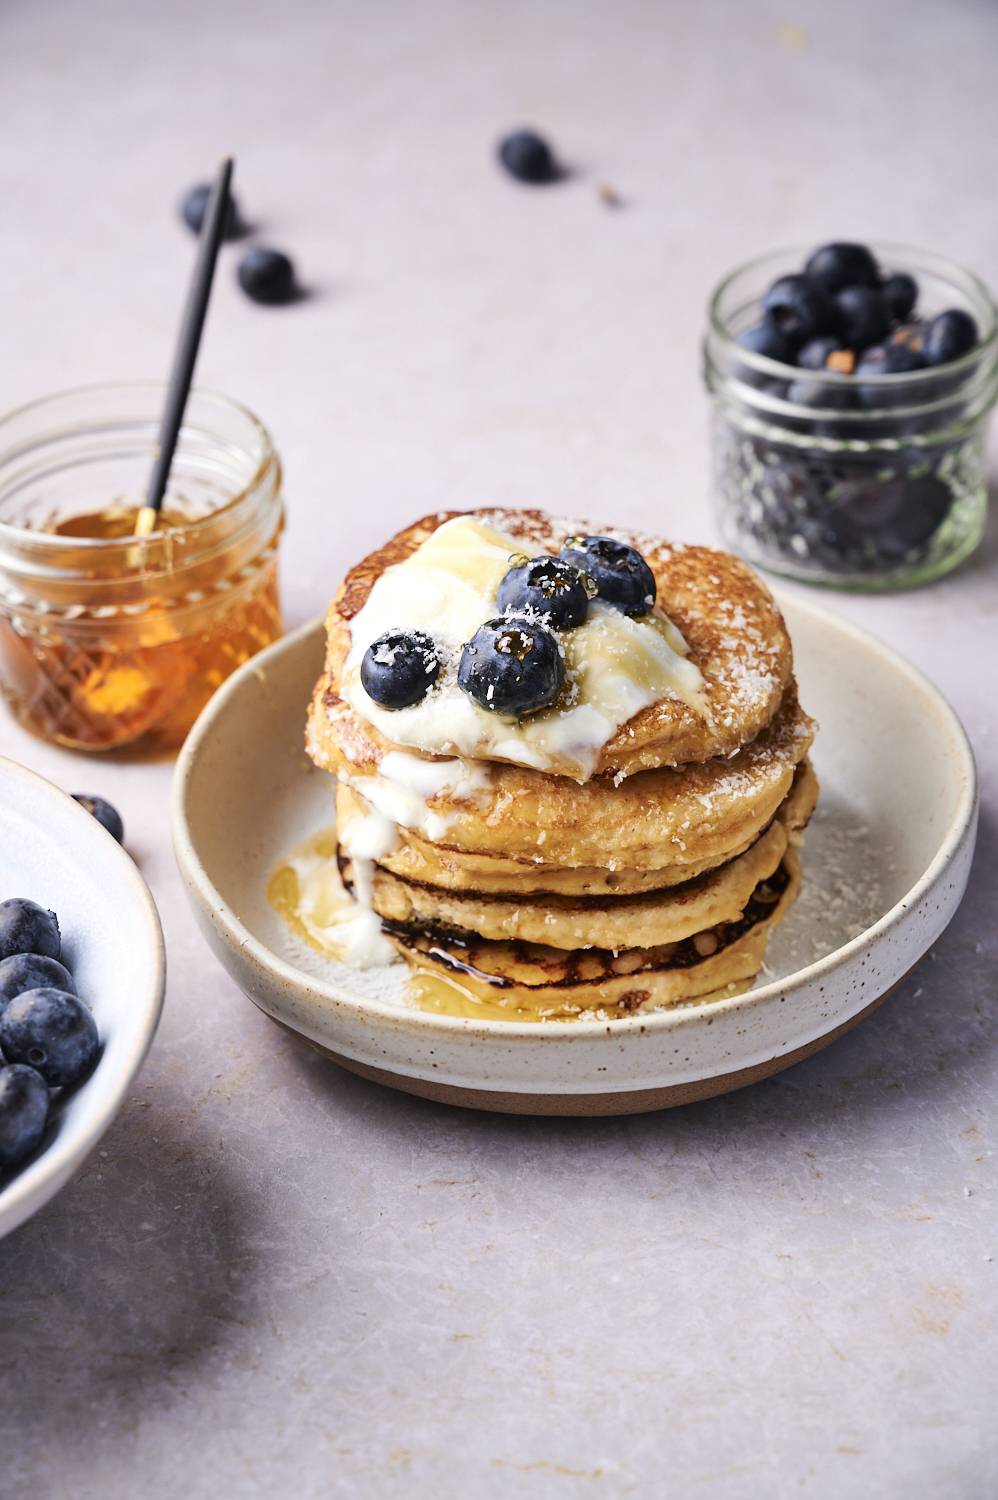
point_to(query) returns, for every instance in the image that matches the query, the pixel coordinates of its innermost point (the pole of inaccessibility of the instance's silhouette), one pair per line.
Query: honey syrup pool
(305, 889)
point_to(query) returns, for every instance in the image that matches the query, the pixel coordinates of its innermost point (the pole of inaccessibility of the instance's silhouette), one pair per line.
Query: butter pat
(614, 666)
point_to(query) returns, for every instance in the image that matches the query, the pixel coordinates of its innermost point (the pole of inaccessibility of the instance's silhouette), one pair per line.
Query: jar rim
(44, 539)
(930, 260)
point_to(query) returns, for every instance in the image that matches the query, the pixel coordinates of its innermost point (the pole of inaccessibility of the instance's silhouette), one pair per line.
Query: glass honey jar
(108, 640)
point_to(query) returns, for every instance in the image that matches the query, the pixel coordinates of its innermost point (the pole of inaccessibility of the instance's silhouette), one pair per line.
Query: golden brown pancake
(418, 859)
(662, 817)
(733, 628)
(586, 921)
(550, 983)
(655, 882)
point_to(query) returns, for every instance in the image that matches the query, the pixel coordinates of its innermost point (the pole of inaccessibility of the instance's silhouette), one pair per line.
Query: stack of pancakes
(654, 882)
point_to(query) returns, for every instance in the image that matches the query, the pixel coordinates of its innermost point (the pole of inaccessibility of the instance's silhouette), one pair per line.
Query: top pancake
(734, 631)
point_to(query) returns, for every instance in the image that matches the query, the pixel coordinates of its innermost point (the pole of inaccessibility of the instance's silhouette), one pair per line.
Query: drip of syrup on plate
(306, 890)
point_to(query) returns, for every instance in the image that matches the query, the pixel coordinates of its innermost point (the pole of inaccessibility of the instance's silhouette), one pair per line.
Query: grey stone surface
(272, 1279)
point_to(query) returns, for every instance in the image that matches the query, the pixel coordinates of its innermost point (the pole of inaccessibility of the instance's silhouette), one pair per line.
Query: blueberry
(28, 928)
(620, 573)
(52, 1031)
(862, 316)
(949, 336)
(887, 359)
(24, 1108)
(776, 388)
(827, 394)
(911, 334)
(799, 309)
(195, 206)
(107, 816)
(766, 339)
(900, 292)
(528, 157)
(512, 667)
(890, 359)
(815, 353)
(30, 971)
(895, 515)
(399, 668)
(841, 264)
(267, 275)
(548, 586)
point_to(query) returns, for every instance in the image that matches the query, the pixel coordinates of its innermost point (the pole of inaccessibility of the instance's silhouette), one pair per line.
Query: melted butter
(615, 666)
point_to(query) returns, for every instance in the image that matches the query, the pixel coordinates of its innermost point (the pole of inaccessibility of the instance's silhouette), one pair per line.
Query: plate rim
(37, 1183)
(554, 1032)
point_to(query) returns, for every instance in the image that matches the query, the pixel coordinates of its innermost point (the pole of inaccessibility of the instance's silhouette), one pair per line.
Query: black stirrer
(188, 342)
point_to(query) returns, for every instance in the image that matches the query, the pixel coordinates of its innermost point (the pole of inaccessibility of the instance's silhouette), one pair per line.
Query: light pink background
(274, 1280)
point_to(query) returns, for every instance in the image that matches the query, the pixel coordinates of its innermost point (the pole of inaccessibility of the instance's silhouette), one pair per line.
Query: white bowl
(886, 864)
(55, 853)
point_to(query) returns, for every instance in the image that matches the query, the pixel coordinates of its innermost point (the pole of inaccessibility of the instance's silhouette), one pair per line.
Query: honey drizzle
(426, 989)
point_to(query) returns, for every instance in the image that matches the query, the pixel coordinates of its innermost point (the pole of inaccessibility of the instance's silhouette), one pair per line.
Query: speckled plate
(886, 864)
(55, 853)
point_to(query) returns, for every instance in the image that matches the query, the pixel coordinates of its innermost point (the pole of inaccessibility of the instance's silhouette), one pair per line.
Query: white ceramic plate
(886, 864)
(55, 853)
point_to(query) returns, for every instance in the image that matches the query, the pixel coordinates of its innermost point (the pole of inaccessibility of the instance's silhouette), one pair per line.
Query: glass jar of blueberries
(850, 395)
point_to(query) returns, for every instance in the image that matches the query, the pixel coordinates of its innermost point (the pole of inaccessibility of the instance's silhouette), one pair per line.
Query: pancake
(661, 817)
(417, 859)
(728, 619)
(570, 922)
(549, 983)
(628, 847)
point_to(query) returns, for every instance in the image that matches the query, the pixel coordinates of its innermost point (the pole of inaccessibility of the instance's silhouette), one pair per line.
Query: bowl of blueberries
(850, 389)
(82, 975)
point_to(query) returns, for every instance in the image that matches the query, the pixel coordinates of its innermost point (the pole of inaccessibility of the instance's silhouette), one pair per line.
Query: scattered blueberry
(107, 816)
(620, 573)
(512, 667)
(52, 1031)
(195, 206)
(528, 157)
(24, 1107)
(816, 352)
(862, 316)
(949, 336)
(547, 586)
(399, 668)
(900, 292)
(837, 265)
(799, 309)
(767, 340)
(267, 275)
(26, 927)
(30, 971)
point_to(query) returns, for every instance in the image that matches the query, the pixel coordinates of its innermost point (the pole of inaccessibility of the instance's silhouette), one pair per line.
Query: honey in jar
(108, 640)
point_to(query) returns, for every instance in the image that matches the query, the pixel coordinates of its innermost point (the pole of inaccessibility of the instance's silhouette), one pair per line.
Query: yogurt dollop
(615, 666)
